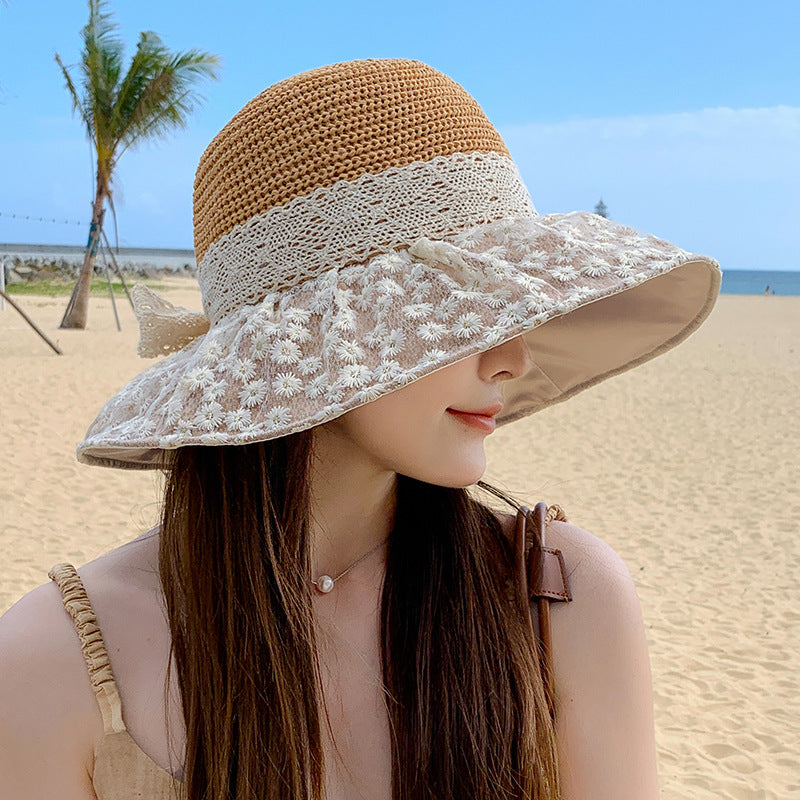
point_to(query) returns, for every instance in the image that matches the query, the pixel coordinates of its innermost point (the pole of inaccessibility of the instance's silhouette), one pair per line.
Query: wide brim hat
(360, 226)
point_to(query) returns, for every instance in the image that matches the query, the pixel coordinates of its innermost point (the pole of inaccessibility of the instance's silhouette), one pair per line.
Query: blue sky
(683, 116)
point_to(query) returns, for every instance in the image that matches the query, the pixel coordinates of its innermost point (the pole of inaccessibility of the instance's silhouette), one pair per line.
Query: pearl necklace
(324, 584)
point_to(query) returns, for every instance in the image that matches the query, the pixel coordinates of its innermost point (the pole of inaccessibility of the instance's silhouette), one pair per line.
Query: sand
(688, 466)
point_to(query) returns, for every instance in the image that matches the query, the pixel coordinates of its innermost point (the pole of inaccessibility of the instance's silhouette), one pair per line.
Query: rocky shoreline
(24, 263)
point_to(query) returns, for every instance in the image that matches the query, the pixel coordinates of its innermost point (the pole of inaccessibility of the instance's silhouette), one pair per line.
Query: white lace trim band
(352, 221)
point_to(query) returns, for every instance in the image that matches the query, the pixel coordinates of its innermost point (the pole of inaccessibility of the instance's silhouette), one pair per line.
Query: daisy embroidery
(170, 410)
(333, 394)
(393, 343)
(320, 302)
(354, 376)
(512, 314)
(286, 384)
(350, 352)
(214, 437)
(417, 310)
(297, 332)
(564, 253)
(387, 371)
(316, 387)
(395, 261)
(389, 287)
(296, 316)
(431, 331)
(209, 416)
(259, 347)
(420, 290)
(198, 378)
(147, 426)
(495, 335)
(310, 365)
(363, 301)
(595, 268)
(214, 391)
(498, 298)
(244, 369)
(375, 337)
(580, 293)
(276, 417)
(467, 325)
(238, 419)
(470, 295)
(345, 320)
(253, 393)
(447, 307)
(625, 271)
(432, 358)
(468, 239)
(565, 273)
(212, 355)
(539, 302)
(183, 429)
(285, 351)
(630, 259)
(367, 394)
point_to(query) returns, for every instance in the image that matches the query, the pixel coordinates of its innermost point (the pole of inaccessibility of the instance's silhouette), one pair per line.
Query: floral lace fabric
(308, 354)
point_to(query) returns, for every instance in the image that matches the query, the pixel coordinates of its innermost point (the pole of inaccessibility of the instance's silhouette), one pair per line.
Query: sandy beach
(687, 466)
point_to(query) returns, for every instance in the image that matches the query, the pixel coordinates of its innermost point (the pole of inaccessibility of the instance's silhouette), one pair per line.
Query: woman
(343, 617)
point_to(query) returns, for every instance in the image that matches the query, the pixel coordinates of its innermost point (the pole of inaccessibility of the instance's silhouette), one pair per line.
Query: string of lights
(31, 218)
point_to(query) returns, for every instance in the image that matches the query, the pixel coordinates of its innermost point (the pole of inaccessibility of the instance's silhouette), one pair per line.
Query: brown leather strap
(542, 577)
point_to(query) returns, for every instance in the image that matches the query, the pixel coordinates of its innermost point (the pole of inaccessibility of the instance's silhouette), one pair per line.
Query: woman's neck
(352, 505)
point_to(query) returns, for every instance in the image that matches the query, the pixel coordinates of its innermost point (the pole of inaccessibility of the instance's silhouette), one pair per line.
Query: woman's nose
(512, 359)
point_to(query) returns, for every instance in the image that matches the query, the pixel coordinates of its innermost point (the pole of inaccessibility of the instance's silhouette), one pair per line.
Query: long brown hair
(467, 707)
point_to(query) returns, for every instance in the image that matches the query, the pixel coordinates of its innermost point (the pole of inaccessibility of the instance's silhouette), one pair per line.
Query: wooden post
(111, 291)
(29, 321)
(116, 267)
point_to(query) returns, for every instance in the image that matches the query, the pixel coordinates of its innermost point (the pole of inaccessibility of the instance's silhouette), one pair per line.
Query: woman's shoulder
(45, 697)
(603, 621)
(591, 564)
(42, 667)
(602, 672)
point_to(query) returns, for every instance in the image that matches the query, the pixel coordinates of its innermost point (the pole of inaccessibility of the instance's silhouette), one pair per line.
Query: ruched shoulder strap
(77, 604)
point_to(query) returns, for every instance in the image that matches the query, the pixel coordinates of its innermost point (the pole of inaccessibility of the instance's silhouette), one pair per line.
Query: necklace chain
(325, 583)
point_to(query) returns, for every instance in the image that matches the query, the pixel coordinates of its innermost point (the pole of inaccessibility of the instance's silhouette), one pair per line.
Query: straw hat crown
(335, 123)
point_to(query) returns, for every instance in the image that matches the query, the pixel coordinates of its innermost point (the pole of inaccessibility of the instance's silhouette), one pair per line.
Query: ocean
(745, 281)
(135, 258)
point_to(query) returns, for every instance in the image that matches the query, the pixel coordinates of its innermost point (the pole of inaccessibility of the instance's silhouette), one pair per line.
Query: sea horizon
(174, 259)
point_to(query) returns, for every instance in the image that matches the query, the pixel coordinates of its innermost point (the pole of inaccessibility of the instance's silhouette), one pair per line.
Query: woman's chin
(457, 474)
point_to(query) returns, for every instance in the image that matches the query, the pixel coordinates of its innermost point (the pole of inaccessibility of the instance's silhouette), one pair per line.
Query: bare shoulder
(604, 704)
(602, 674)
(50, 722)
(596, 571)
(601, 585)
(48, 716)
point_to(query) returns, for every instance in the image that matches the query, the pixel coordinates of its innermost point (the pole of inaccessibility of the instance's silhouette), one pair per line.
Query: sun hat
(360, 226)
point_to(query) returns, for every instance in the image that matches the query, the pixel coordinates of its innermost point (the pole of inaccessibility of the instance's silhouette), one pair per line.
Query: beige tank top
(122, 770)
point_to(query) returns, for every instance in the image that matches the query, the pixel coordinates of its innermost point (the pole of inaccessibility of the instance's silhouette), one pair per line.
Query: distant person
(345, 620)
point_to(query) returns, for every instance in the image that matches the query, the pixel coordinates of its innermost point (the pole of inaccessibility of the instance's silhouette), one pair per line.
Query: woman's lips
(483, 420)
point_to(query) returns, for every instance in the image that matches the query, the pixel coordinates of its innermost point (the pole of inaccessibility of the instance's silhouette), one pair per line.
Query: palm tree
(155, 96)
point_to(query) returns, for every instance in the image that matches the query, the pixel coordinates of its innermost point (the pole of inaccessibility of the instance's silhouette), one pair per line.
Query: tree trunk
(77, 311)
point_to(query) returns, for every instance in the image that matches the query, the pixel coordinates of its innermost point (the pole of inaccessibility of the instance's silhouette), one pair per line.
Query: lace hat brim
(593, 298)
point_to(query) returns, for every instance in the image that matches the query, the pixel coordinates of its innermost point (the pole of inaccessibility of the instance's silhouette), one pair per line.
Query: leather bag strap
(542, 578)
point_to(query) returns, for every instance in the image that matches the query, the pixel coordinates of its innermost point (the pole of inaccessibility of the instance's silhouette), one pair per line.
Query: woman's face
(433, 429)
